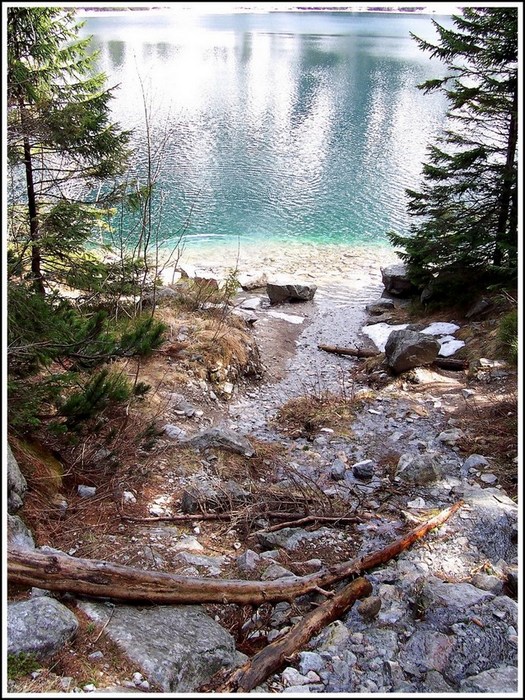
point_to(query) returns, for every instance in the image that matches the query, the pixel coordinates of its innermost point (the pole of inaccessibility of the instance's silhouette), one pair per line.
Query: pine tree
(61, 142)
(466, 208)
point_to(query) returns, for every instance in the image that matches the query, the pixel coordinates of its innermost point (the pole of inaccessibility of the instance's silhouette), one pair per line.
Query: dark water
(294, 127)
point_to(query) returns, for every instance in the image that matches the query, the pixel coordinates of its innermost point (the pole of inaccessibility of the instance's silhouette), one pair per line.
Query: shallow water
(282, 126)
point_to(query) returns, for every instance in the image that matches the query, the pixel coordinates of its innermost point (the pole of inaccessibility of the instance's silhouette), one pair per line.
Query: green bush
(508, 335)
(21, 664)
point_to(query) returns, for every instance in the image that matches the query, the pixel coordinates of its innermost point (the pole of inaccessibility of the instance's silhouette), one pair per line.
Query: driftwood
(441, 362)
(90, 577)
(354, 352)
(271, 658)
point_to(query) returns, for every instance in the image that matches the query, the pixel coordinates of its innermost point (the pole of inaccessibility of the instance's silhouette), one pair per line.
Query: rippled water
(275, 126)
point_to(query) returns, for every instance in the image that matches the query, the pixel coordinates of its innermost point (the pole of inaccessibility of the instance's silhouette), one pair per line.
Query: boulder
(418, 469)
(280, 292)
(396, 281)
(222, 438)
(16, 483)
(178, 647)
(18, 534)
(39, 626)
(407, 349)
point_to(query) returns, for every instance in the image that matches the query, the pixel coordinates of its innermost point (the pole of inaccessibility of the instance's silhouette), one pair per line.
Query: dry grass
(306, 416)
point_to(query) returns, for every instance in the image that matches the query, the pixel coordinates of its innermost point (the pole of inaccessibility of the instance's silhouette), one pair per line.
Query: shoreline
(341, 272)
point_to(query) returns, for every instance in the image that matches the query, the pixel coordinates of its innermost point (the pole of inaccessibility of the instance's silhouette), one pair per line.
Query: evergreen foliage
(466, 208)
(49, 332)
(63, 148)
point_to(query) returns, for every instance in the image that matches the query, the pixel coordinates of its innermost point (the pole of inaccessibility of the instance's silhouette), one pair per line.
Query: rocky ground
(319, 434)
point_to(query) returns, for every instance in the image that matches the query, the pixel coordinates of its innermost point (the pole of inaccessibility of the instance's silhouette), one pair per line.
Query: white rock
(440, 328)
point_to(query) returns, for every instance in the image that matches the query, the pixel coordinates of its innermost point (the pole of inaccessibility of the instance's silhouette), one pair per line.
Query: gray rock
(492, 522)
(290, 538)
(39, 626)
(86, 491)
(274, 572)
(290, 291)
(487, 583)
(380, 306)
(291, 677)
(363, 470)
(174, 432)
(450, 436)
(435, 683)
(18, 534)
(338, 469)
(211, 564)
(222, 438)
(396, 281)
(248, 560)
(310, 661)
(494, 680)
(479, 309)
(426, 650)
(406, 349)
(474, 462)
(178, 648)
(202, 496)
(437, 593)
(419, 469)
(16, 483)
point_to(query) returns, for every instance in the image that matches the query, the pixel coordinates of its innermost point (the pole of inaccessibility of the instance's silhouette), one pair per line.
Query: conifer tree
(466, 208)
(61, 141)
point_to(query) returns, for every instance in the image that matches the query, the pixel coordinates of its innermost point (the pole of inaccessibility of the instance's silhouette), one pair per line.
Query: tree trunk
(34, 234)
(504, 236)
(100, 578)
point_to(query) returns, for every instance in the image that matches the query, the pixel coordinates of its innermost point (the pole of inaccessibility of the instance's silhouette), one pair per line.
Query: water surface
(284, 127)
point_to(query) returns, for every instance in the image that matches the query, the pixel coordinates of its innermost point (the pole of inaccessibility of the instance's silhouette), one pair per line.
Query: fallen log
(267, 661)
(354, 352)
(441, 362)
(57, 572)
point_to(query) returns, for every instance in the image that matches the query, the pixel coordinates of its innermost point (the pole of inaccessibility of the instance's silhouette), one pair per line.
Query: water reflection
(293, 126)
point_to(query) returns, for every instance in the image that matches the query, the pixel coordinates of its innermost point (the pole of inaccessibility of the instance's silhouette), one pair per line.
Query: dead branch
(312, 519)
(354, 352)
(267, 661)
(90, 577)
(441, 362)
(294, 518)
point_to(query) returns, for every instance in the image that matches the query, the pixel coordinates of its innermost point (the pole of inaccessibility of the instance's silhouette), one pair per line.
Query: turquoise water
(275, 126)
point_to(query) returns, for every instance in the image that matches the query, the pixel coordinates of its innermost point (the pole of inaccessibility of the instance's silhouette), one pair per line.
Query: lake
(275, 127)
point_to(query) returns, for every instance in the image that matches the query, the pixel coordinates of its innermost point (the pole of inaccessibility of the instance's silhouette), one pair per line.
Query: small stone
(488, 478)
(94, 656)
(416, 503)
(369, 607)
(363, 470)
(128, 497)
(86, 491)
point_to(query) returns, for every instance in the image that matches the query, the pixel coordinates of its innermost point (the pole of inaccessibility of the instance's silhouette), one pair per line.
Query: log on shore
(440, 362)
(104, 579)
